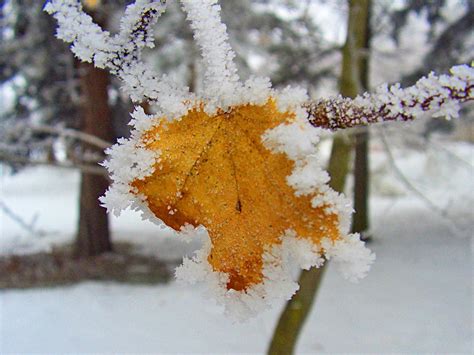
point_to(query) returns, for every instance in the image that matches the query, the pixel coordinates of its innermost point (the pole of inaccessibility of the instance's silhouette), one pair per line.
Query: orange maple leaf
(213, 170)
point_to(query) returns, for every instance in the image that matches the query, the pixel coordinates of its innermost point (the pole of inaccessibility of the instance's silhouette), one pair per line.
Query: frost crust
(280, 264)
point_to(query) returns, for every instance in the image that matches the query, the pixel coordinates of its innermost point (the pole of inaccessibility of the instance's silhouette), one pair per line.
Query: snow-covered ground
(417, 297)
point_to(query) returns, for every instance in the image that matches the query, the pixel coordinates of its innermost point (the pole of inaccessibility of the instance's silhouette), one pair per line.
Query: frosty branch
(122, 53)
(436, 95)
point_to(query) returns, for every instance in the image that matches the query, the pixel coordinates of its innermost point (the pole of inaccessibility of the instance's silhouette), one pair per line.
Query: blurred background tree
(59, 112)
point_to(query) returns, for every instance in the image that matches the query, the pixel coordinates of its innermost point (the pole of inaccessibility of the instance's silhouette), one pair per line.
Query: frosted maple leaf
(239, 159)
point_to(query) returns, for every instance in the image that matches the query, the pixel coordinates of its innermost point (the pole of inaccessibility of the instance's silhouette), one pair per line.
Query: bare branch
(29, 227)
(404, 179)
(71, 133)
(436, 95)
(408, 184)
(23, 160)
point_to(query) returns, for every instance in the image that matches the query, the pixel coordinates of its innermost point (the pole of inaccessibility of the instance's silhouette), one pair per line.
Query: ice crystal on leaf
(214, 170)
(239, 159)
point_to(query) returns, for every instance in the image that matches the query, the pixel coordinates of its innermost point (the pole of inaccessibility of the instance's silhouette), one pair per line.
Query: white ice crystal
(121, 53)
(291, 98)
(221, 80)
(278, 276)
(351, 256)
(430, 95)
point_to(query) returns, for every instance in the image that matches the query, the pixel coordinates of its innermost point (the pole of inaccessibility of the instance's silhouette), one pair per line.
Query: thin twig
(429, 95)
(460, 160)
(72, 133)
(441, 212)
(85, 168)
(403, 178)
(29, 227)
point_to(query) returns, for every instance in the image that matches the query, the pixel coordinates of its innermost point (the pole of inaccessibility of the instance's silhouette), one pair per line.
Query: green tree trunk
(360, 219)
(297, 309)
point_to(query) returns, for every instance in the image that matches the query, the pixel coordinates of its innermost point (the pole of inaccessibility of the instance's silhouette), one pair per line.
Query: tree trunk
(298, 308)
(93, 236)
(360, 219)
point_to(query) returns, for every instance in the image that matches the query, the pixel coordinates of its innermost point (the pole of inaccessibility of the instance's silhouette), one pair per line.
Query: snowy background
(416, 298)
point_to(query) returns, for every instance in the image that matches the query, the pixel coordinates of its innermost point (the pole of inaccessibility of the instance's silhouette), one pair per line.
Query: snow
(417, 297)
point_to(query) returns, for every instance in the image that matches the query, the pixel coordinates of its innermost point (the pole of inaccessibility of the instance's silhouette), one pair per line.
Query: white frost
(278, 284)
(221, 80)
(129, 160)
(297, 140)
(121, 53)
(430, 95)
(350, 255)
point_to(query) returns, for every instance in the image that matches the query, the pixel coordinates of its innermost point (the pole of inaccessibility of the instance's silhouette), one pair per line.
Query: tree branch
(436, 95)
(23, 160)
(122, 53)
(29, 227)
(71, 133)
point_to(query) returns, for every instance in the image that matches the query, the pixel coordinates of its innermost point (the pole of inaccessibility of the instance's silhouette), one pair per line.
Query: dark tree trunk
(93, 236)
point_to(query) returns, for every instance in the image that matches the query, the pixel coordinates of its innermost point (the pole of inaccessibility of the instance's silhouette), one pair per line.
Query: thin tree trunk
(93, 236)
(360, 219)
(298, 308)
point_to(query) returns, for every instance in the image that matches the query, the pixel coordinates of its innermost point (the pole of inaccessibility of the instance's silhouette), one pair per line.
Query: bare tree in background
(59, 99)
(93, 235)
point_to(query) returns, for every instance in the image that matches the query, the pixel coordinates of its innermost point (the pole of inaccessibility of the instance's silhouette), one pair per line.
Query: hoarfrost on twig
(121, 53)
(436, 95)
